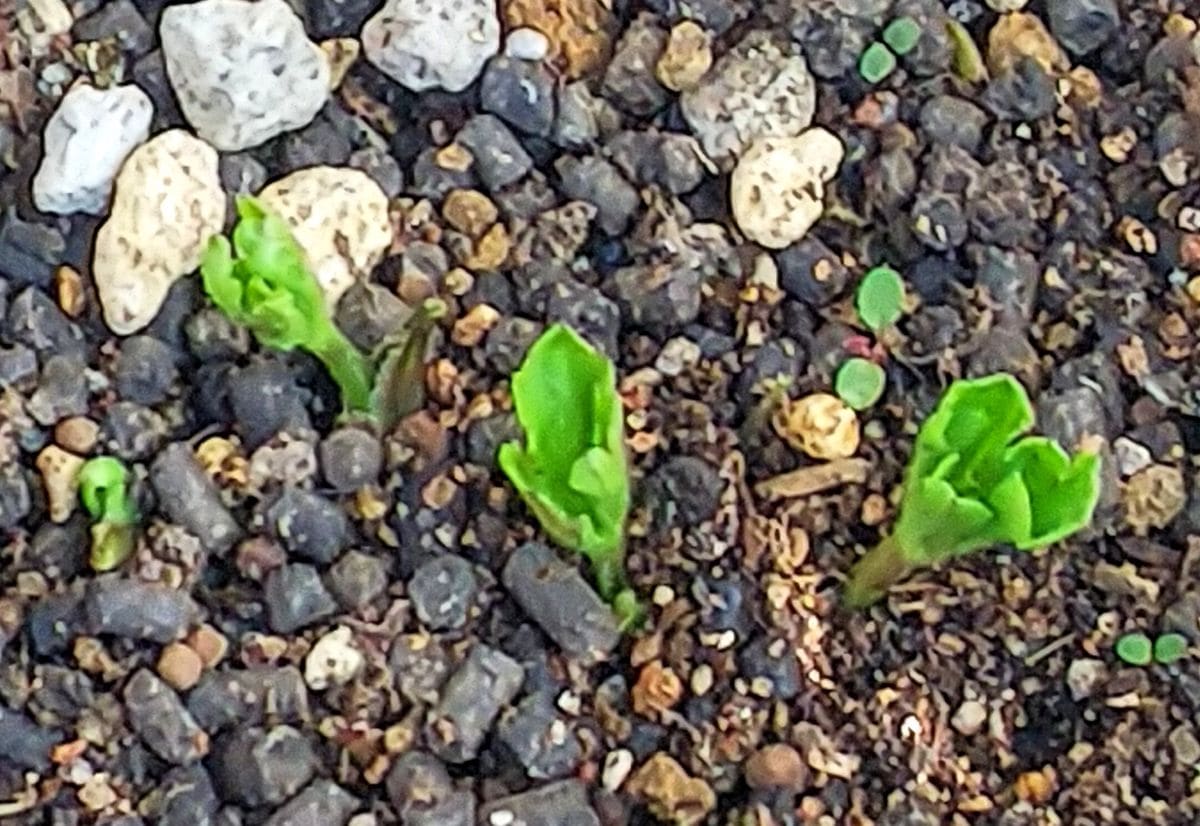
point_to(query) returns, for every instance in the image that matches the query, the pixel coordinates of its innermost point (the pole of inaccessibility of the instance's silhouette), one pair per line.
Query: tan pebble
(209, 643)
(1023, 35)
(670, 793)
(777, 766)
(470, 212)
(491, 250)
(60, 472)
(969, 718)
(1153, 497)
(579, 31)
(1036, 787)
(68, 287)
(821, 425)
(658, 689)
(454, 157)
(686, 58)
(341, 52)
(77, 434)
(179, 666)
(471, 328)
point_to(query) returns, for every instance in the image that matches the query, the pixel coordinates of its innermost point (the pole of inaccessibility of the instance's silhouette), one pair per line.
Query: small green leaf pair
(1137, 649)
(571, 470)
(879, 301)
(263, 282)
(972, 483)
(104, 490)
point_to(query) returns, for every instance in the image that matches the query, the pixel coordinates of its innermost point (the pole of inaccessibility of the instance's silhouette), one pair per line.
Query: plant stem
(882, 567)
(609, 570)
(352, 371)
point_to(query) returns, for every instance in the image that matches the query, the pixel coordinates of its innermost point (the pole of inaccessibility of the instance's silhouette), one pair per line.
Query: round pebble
(777, 766)
(350, 458)
(180, 666)
(527, 44)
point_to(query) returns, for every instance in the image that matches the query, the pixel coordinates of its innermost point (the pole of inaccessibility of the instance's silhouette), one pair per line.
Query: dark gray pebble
(61, 392)
(812, 272)
(433, 181)
(337, 18)
(420, 665)
(318, 144)
(422, 793)
(121, 20)
(212, 336)
(18, 366)
(241, 173)
(266, 400)
(158, 716)
(29, 252)
(309, 525)
(15, 500)
(322, 803)
(185, 797)
(772, 660)
(669, 160)
(145, 370)
(577, 122)
(948, 119)
(368, 313)
(586, 310)
(684, 491)
(564, 803)
(629, 80)
(500, 160)
(1023, 92)
(53, 621)
(541, 738)
(486, 435)
(133, 432)
(472, 698)
(658, 298)
(150, 73)
(1083, 26)
(189, 498)
(520, 93)
(23, 742)
(262, 767)
(296, 597)
(350, 458)
(357, 578)
(561, 602)
(130, 609)
(442, 591)
(381, 167)
(34, 320)
(599, 183)
(508, 341)
(229, 698)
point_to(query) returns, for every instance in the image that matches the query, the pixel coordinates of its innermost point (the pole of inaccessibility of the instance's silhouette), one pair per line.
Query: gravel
(295, 597)
(189, 498)
(159, 717)
(262, 767)
(471, 700)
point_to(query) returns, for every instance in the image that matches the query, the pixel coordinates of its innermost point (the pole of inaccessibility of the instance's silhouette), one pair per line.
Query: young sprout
(880, 298)
(876, 63)
(1134, 649)
(973, 482)
(1169, 648)
(103, 487)
(571, 470)
(902, 35)
(859, 383)
(263, 282)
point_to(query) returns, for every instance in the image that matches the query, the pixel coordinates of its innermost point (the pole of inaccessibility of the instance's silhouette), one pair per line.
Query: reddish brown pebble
(180, 666)
(209, 643)
(777, 766)
(77, 434)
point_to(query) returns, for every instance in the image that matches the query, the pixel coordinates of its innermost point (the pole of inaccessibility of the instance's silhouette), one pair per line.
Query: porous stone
(428, 44)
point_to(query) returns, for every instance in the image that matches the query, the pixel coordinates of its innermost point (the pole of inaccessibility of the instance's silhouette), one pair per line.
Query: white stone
(339, 216)
(333, 660)
(777, 190)
(243, 71)
(86, 140)
(526, 44)
(427, 44)
(969, 718)
(167, 203)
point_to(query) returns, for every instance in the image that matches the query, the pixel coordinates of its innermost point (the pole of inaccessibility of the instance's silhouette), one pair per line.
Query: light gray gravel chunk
(323, 803)
(560, 804)
(138, 610)
(559, 600)
(158, 716)
(296, 597)
(188, 497)
(473, 697)
(427, 44)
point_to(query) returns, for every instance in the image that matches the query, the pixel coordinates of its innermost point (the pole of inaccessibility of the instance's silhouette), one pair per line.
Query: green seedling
(571, 470)
(262, 281)
(1134, 649)
(880, 298)
(104, 489)
(876, 63)
(1169, 648)
(902, 35)
(859, 383)
(974, 482)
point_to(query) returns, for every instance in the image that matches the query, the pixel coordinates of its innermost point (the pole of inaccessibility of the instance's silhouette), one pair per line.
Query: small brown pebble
(470, 212)
(209, 643)
(670, 793)
(491, 250)
(658, 689)
(821, 425)
(471, 328)
(1036, 787)
(68, 284)
(1023, 35)
(258, 556)
(687, 56)
(77, 434)
(777, 766)
(179, 666)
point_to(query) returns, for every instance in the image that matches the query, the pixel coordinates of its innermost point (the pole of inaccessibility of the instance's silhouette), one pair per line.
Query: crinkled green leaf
(571, 469)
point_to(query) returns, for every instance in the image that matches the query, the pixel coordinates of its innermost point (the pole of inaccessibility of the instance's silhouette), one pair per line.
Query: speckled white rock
(340, 218)
(427, 44)
(166, 205)
(86, 140)
(754, 91)
(333, 660)
(777, 190)
(243, 71)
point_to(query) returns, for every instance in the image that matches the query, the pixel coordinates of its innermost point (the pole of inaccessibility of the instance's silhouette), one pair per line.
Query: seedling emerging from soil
(103, 487)
(1134, 649)
(902, 35)
(1169, 648)
(880, 297)
(571, 470)
(264, 282)
(859, 383)
(972, 482)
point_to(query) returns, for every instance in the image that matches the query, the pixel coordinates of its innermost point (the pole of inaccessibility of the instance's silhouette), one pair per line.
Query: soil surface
(325, 623)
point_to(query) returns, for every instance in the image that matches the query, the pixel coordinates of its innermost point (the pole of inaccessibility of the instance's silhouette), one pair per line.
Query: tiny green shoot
(263, 281)
(880, 298)
(860, 383)
(1170, 647)
(876, 63)
(104, 490)
(1134, 649)
(902, 35)
(571, 470)
(974, 481)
